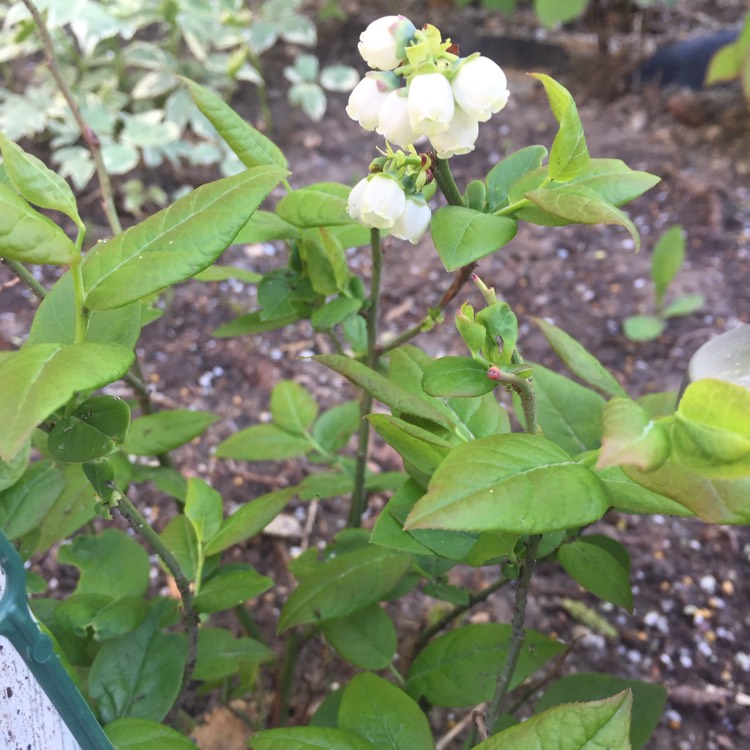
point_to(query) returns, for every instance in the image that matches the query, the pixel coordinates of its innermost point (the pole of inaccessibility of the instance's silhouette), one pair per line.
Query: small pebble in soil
(703, 648)
(666, 660)
(673, 718)
(656, 621)
(708, 584)
(743, 661)
(686, 661)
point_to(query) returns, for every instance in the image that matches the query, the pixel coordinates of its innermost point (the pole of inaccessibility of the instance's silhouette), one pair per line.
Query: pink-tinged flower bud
(393, 119)
(382, 43)
(431, 103)
(480, 88)
(354, 204)
(381, 202)
(414, 220)
(368, 96)
(459, 138)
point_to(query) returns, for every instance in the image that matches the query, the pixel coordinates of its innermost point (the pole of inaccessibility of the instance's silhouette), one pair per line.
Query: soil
(690, 627)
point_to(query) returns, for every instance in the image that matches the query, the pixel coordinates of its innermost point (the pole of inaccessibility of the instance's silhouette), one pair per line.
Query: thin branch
(25, 277)
(90, 138)
(359, 495)
(459, 280)
(190, 617)
(497, 704)
(459, 609)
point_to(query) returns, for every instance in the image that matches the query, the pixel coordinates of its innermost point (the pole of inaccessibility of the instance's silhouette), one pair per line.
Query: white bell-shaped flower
(381, 44)
(459, 138)
(480, 88)
(354, 204)
(431, 104)
(414, 220)
(368, 96)
(380, 203)
(393, 119)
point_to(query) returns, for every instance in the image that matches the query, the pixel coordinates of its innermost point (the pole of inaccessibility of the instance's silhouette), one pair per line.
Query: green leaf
(27, 501)
(614, 181)
(569, 414)
(252, 147)
(249, 520)
(320, 205)
(583, 206)
(181, 540)
(463, 235)
(265, 226)
(457, 376)
(381, 388)
(325, 485)
(511, 483)
(203, 506)
(72, 509)
(334, 312)
(222, 273)
(725, 65)
(293, 408)
(643, 327)
(711, 434)
(220, 654)
(55, 320)
(552, 12)
(175, 243)
(39, 379)
(712, 500)
(253, 323)
(648, 699)
(29, 237)
(501, 328)
(447, 592)
(421, 451)
(325, 262)
(481, 416)
(139, 674)
(365, 638)
(569, 154)
(461, 667)
(94, 429)
(668, 257)
(104, 616)
(264, 442)
(384, 714)
(229, 587)
(632, 437)
(573, 726)
(12, 470)
(36, 182)
(142, 734)
(684, 305)
(309, 738)
(111, 564)
(343, 585)
(162, 432)
(601, 565)
(627, 496)
(508, 171)
(579, 361)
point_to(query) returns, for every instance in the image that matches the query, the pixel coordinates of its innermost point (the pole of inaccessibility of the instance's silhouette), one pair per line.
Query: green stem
(522, 386)
(25, 277)
(92, 141)
(513, 207)
(190, 617)
(359, 495)
(447, 184)
(459, 609)
(248, 624)
(286, 677)
(517, 636)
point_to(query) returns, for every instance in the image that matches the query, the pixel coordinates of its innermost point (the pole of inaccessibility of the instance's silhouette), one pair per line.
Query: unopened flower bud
(393, 119)
(431, 103)
(379, 203)
(382, 43)
(414, 220)
(368, 96)
(459, 138)
(480, 88)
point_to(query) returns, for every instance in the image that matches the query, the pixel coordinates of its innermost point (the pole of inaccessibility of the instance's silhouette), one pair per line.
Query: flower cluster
(444, 97)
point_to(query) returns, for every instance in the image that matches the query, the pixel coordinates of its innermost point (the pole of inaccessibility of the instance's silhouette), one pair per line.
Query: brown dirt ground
(691, 623)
